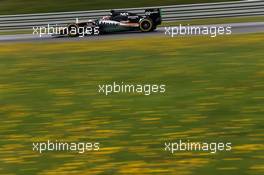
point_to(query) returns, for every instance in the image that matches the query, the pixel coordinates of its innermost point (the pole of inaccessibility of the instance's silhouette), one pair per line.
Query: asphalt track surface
(237, 28)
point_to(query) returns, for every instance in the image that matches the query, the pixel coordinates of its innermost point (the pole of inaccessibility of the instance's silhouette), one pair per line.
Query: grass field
(32, 6)
(214, 93)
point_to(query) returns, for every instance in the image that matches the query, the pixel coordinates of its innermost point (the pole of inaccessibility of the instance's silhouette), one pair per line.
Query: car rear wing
(155, 15)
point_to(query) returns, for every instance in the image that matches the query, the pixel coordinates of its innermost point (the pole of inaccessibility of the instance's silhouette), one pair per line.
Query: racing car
(117, 21)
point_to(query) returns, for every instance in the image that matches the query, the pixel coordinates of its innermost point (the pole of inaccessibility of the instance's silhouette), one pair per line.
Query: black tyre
(90, 29)
(73, 30)
(146, 25)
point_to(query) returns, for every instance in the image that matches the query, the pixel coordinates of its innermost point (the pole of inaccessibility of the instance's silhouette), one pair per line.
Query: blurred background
(33, 6)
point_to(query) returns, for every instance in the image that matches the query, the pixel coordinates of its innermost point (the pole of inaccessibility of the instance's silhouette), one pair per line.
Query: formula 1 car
(117, 21)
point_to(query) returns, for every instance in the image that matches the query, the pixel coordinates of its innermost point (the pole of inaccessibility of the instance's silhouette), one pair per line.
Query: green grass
(33, 6)
(16, 32)
(214, 93)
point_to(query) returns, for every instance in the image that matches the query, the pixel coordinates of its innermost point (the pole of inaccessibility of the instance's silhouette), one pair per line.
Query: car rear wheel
(146, 25)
